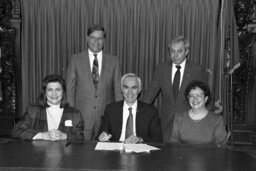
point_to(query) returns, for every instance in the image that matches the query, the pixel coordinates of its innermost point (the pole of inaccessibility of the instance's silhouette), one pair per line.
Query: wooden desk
(43, 155)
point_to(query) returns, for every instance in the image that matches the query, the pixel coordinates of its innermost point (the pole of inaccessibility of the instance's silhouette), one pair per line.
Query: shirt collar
(134, 106)
(182, 65)
(91, 53)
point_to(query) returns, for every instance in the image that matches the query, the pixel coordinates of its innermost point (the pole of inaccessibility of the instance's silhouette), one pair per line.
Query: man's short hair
(96, 28)
(178, 39)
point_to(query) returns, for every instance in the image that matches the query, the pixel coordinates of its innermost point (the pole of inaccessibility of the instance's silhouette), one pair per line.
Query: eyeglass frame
(197, 96)
(96, 38)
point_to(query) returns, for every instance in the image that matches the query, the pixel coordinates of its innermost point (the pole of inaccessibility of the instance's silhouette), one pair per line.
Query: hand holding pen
(104, 136)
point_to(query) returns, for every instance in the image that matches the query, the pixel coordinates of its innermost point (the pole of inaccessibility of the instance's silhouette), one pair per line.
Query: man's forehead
(178, 45)
(130, 82)
(97, 33)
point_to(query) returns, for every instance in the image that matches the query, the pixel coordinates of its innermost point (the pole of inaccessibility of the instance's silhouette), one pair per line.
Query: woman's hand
(55, 135)
(52, 135)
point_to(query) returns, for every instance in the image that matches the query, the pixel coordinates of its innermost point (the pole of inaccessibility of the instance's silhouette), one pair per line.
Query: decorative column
(7, 57)
(243, 77)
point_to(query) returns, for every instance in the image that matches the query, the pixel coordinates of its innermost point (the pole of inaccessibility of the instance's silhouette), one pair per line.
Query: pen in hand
(67, 144)
(109, 136)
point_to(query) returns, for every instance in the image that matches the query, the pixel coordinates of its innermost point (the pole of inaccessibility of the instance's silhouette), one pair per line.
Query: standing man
(171, 78)
(130, 120)
(93, 80)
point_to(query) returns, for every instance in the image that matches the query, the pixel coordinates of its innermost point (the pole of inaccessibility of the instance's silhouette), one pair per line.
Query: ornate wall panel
(243, 77)
(7, 68)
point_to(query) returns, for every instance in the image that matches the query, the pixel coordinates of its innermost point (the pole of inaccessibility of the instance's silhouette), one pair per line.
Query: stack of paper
(138, 148)
(109, 146)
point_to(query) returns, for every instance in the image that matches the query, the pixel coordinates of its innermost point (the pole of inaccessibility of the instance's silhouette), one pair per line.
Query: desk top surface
(45, 155)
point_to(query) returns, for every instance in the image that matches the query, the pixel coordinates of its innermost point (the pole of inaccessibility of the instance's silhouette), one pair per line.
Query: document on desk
(137, 148)
(109, 146)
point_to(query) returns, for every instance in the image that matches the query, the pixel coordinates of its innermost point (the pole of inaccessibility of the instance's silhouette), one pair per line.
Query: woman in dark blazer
(51, 118)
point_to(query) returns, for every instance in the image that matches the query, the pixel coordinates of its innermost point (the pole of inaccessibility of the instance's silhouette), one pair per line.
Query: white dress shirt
(125, 117)
(174, 69)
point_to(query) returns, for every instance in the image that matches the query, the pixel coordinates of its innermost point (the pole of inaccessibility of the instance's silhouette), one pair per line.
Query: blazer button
(94, 107)
(95, 96)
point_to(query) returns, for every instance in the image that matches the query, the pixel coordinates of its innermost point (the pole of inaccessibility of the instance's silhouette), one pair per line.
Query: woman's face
(54, 93)
(197, 98)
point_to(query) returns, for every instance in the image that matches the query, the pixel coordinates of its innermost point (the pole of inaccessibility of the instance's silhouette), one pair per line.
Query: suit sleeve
(105, 124)
(24, 128)
(78, 127)
(71, 82)
(220, 131)
(117, 82)
(148, 124)
(153, 89)
(205, 75)
(175, 131)
(155, 134)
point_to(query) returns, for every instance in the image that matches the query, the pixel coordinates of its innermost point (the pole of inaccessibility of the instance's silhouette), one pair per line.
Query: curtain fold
(137, 33)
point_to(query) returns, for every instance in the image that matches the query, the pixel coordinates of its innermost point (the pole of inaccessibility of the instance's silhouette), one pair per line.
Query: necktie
(95, 71)
(129, 124)
(176, 83)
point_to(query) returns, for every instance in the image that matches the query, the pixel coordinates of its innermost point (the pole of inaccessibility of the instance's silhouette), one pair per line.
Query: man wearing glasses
(93, 80)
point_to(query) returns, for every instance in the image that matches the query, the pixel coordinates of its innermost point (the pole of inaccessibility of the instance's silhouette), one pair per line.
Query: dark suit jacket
(147, 122)
(81, 92)
(35, 121)
(162, 81)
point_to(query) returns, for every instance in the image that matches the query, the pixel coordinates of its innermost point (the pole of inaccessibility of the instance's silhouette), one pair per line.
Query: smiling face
(54, 93)
(178, 52)
(130, 90)
(197, 98)
(95, 41)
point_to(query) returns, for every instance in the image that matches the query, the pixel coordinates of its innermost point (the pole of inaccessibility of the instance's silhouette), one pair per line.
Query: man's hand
(133, 140)
(104, 136)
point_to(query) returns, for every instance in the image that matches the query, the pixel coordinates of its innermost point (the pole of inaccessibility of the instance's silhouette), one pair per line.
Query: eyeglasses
(197, 96)
(96, 38)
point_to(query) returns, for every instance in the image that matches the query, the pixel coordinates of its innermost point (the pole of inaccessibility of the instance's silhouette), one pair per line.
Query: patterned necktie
(176, 83)
(129, 125)
(95, 71)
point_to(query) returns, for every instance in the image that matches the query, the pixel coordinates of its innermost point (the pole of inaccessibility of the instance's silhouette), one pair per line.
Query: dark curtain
(137, 33)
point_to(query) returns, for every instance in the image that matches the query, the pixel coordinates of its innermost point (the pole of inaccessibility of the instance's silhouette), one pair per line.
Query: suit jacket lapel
(169, 79)
(88, 71)
(120, 118)
(43, 120)
(139, 118)
(62, 120)
(186, 76)
(104, 70)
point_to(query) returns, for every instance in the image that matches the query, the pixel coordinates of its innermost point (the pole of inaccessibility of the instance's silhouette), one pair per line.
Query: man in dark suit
(93, 80)
(130, 120)
(173, 100)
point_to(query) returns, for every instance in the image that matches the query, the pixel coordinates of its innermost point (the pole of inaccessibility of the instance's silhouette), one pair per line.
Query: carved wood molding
(243, 77)
(7, 57)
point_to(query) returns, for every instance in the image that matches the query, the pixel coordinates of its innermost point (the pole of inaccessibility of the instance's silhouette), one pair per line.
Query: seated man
(130, 120)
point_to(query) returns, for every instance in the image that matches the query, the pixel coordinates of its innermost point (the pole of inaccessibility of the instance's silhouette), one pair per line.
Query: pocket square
(68, 123)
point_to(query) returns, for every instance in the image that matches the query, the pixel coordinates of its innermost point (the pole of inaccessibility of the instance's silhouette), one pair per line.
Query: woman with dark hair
(51, 118)
(198, 125)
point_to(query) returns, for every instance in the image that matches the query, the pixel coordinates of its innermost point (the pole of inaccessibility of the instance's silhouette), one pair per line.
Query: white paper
(109, 146)
(137, 148)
